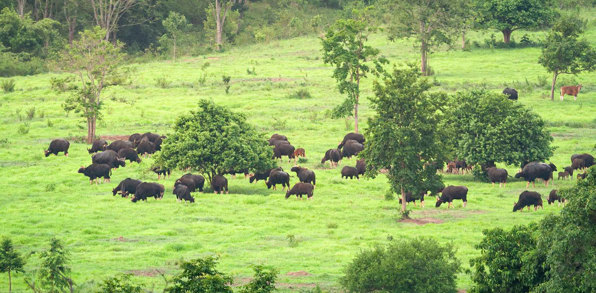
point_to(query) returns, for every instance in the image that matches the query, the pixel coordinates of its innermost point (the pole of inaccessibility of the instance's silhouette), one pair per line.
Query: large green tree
(405, 136)
(508, 16)
(564, 52)
(175, 25)
(10, 260)
(344, 46)
(214, 140)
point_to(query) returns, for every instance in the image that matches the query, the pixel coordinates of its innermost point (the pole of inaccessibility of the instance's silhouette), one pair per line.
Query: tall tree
(175, 25)
(430, 22)
(71, 9)
(93, 59)
(21, 7)
(508, 16)
(107, 13)
(55, 272)
(344, 46)
(10, 260)
(220, 10)
(405, 136)
(564, 52)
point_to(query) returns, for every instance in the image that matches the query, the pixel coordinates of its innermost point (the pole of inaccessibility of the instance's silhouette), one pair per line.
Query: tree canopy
(10, 260)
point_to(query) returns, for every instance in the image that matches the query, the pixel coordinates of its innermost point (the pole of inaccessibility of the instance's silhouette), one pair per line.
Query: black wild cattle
(56, 146)
(119, 144)
(278, 177)
(351, 136)
(554, 196)
(161, 171)
(351, 148)
(588, 159)
(129, 154)
(260, 176)
(578, 163)
(284, 150)
(109, 157)
(536, 170)
(135, 138)
(449, 193)
(126, 187)
(304, 175)
(98, 145)
(300, 189)
(219, 184)
(148, 189)
(152, 137)
(526, 199)
(145, 148)
(411, 198)
(278, 137)
(234, 172)
(569, 170)
(497, 175)
(187, 181)
(564, 175)
(510, 93)
(361, 166)
(96, 171)
(182, 192)
(349, 171)
(333, 155)
(198, 180)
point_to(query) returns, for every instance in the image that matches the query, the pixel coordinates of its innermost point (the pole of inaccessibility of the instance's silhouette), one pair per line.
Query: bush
(226, 81)
(162, 82)
(119, 284)
(480, 174)
(16, 64)
(7, 85)
(300, 94)
(31, 113)
(62, 84)
(417, 265)
(200, 275)
(24, 128)
(262, 282)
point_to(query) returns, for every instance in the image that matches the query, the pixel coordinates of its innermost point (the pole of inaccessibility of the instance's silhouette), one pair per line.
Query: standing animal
(554, 196)
(300, 189)
(198, 180)
(56, 146)
(564, 175)
(276, 138)
(98, 145)
(126, 187)
(361, 166)
(219, 184)
(278, 177)
(135, 138)
(96, 171)
(570, 90)
(351, 136)
(578, 163)
(259, 176)
(129, 154)
(351, 148)
(510, 93)
(449, 193)
(569, 170)
(284, 149)
(588, 159)
(411, 198)
(536, 170)
(109, 157)
(148, 189)
(119, 144)
(497, 175)
(161, 171)
(186, 181)
(182, 192)
(332, 155)
(299, 152)
(349, 171)
(145, 148)
(452, 167)
(526, 199)
(304, 175)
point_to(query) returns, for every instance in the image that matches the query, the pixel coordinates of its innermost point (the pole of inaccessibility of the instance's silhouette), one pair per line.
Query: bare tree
(107, 13)
(220, 13)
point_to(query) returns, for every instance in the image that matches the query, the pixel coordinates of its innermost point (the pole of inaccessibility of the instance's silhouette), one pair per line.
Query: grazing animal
(510, 93)
(278, 177)
(109, 157)
(56, 146)
(186, 181)
(126, 187)
(570, 90)
(578, 163)
(449, 193)
(351, 148)
(554, 196)
(129, 154)
(119, 144)
(351, 136)
(98, 145)
(304, 175)
(259, 176)
(300, 189)
(588, 159)
(182, 192)
(497, 175)
(536, 170)
(145, 148)
(332, 155)
(135, 138)
(284, 149)
(198, 180)
(569, 170)
(219, 184)
(234, 172)
(349, 171)
(563, 175)
(148, 189)
(96, 171)
(299, 152)
(361, 166)
(161, 171)
(526, 199)
(411, 198)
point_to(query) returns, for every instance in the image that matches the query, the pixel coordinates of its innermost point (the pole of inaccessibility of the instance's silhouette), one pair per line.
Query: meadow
(309, 242)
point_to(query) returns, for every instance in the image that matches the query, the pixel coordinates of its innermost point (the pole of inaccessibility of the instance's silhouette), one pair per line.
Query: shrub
(31, 113)
(7, 85)
(119, 284)
(251, 72)
(50, 123)
(50, 187)
(226, 81)
(417, 265)
(200, 275)
(62, 84)
(300, 94)
(292, 241)
(302, 160)
(262, 282)
(162, 82)
(24, 128)
(389, 195)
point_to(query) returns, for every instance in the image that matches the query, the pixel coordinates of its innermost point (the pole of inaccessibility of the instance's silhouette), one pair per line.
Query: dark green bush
(262, 282)
(62, 84)
(200, 275)
(300, 94)
(120, 284)
(7, 85)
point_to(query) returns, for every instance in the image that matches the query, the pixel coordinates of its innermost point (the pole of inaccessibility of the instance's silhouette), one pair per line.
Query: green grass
(45, 197)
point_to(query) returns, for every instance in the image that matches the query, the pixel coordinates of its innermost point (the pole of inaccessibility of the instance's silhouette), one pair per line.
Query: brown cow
(570, 90)
(299, 152)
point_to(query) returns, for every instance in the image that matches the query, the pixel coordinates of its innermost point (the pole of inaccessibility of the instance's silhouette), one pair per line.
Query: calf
(564, 175)
(300, 189)
(161, 171)
(299, 152)
(526, 199)
(126, 187)
(219, 184)
(582, 176)
(109, 157)
(198, 180)
(554, 196)
(96, 171)
(349, 171)
(98, 145)
(129, 154)
(56, 146)
(148, 189)
(497, 175)
(304, 175)
(449, 193)
(569, 170)
(570, 90)
(182, 192)
(119, 144)
(278, 177)
(332, 155)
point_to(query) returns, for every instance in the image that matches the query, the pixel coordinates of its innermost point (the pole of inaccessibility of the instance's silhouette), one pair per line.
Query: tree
(564, 52)
(94, 60)
(55, 272)
(344, 46)
(406, 136)
(262, 282)
(467, 16)
(213, 140)
(508, 16)
(220, 9)
(10, 260)
(200, 275)
(119, 284)
(417, 265)
(175, 26)
(496, 130)
(107, 14)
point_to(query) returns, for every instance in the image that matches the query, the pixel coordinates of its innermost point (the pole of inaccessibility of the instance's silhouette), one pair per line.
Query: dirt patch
(114, 137)
(296, 285)
(122, 239)
(212, 58)
(145, 273)
(271, 79)
(422, 221)
(298, 274)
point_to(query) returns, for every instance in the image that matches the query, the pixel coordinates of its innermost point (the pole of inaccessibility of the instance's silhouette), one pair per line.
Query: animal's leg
(528, 208)
(527, 184)
(546, 183)
(561, 97)
(493, 184)
(465, 203)
(533, 184)
(575, 98)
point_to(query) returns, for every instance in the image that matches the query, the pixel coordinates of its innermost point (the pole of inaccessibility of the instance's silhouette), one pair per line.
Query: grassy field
(45, 197)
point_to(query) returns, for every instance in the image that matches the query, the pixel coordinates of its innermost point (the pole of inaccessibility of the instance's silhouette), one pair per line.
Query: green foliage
(23, 35)
(54, 272)
(405, 136)
(292, 241)
(496, 130)
(176, 26)
(7, 85)
(62, 84)
(226, 81)
(300, 94)
(163, 82)
(24, 128)
(200, 275)
(417, 265)
(213, 140)
(120, 284)
(10, 260)
(263, 281)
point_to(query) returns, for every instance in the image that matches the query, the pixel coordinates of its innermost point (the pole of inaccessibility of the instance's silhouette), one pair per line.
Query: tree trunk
(507, 35)
(423, 61)
(463, 40)
(357, 100)
(218, 25)
(9, 282)
(403, 200)
(552, 88)
(21, 7)
(72, 24)
(91, 124)
(174, 49)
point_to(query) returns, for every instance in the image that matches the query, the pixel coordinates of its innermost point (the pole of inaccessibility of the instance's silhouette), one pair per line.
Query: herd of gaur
(107, 157)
